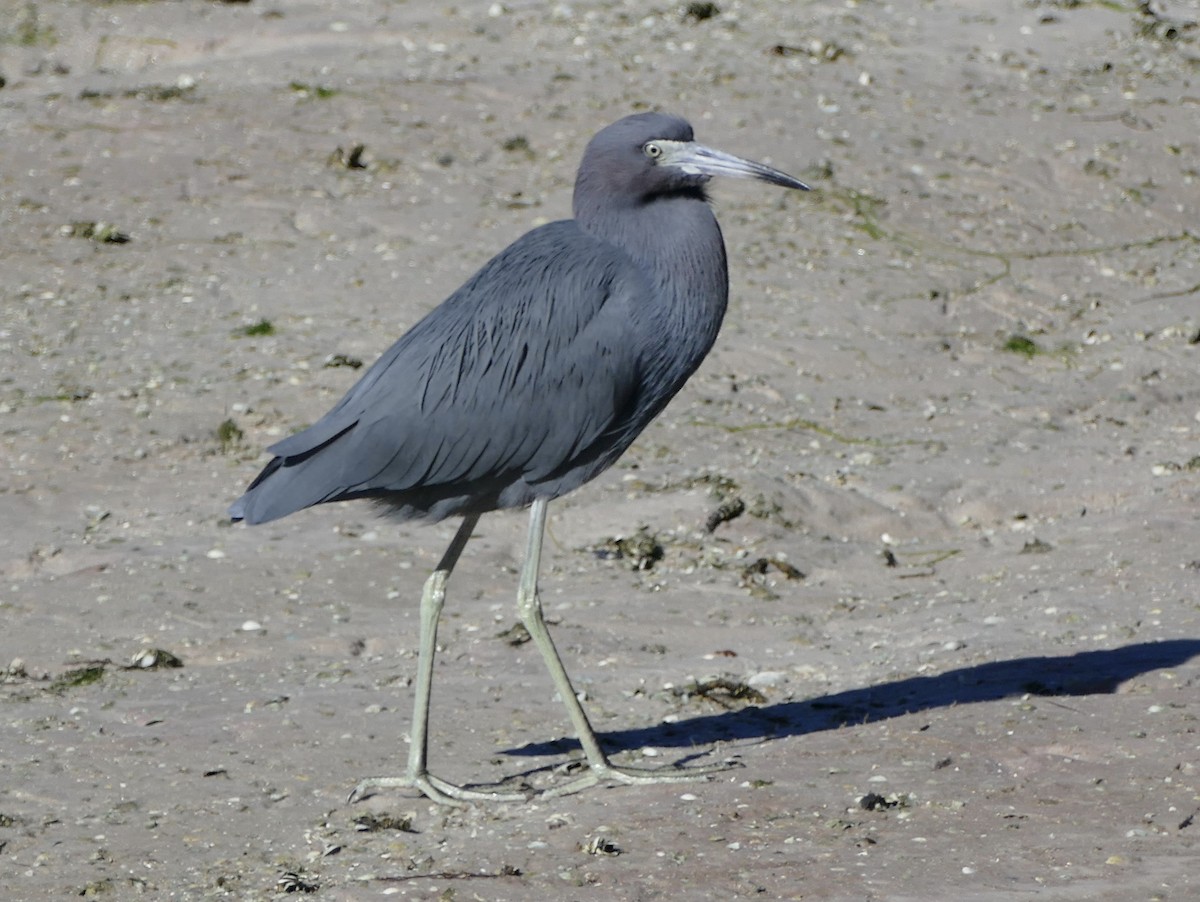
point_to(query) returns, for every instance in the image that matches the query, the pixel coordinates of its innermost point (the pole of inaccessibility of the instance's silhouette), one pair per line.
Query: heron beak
(696, 159)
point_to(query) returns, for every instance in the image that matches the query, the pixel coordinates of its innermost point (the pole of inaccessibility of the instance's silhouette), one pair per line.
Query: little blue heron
(528, 381)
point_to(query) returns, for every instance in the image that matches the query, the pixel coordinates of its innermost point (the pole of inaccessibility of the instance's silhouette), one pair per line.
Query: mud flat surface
(952, 643)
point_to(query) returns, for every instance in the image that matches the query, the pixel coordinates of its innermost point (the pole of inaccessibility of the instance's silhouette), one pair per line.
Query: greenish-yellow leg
(417, 775)
(600, 769)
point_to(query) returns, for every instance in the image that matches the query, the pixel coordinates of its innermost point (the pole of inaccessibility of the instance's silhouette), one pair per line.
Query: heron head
(648, 155)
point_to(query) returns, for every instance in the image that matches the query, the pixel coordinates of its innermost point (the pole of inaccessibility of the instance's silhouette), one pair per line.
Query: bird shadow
(1084, 673)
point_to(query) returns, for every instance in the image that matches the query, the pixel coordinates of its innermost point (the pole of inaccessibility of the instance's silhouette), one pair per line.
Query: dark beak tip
(788, 182)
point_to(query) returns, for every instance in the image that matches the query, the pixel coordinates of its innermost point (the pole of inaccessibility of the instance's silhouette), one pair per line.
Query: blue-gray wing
(527, 372)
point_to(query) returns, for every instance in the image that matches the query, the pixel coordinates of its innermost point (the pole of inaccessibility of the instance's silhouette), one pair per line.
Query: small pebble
(766, 679)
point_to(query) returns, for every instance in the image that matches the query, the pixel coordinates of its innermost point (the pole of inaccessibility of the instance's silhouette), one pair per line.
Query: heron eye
(652, 150)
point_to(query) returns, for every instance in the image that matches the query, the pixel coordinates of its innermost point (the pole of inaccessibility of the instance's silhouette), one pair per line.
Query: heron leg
(600, 769)
(417, 774)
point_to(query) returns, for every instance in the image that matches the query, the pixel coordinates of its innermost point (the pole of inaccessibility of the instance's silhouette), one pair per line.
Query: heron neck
(677, 242)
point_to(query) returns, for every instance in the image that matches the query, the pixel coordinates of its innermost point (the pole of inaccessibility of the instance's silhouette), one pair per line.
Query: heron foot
(434, 788)
(634, 776)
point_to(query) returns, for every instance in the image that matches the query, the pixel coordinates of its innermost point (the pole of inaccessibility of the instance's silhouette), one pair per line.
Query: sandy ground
(956, 390)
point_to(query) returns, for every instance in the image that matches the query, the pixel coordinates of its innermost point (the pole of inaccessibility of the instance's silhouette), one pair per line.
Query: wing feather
(531, 367)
